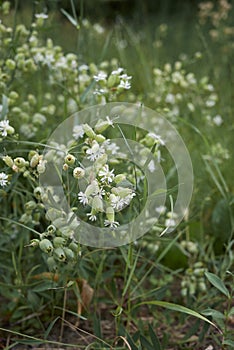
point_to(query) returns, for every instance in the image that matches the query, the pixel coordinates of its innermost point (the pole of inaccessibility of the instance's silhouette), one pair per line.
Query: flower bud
(46, 246)
(33, 243)
(65, 167)
(10, 64)
(70, 159)
(119, 178)
(100, 138)
(78, 173)
(10, 130)
(110, 213)
(92, 189)
(38, 119)
(8, 161)
(34, 159)
(88, 131)
(41, 167)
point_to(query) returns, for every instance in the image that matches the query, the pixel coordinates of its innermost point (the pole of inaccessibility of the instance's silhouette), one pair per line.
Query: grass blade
(178, 308)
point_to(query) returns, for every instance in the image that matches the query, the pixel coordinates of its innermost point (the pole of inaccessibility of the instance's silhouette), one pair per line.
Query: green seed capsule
(69, 253)
(20, 162)
(52, 264)
(46, 246)
(70, 159)
(59, 242)
(29, 206)
(8, 161)
(59, 254)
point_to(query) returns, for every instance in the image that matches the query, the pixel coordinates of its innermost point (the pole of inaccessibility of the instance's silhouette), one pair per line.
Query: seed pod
(20, 162)
(78, 173)
(37, 192)
(59, 254)
(51, 229)
(52, 264)
(46, 246)
(100, 138)
(74, 247)
(70, 159)
(89, 131)
(59, 242)
(119, 178)
(8, 161)
(29, 206)
(97, 204)
(110, 213)
(69, 253)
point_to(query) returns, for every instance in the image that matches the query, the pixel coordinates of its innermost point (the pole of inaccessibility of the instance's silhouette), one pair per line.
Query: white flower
(83, 67)
(157, 138)
(170, 222)
(78, 132)
(124, 84)
(92, 217)
(106, 174)
(218, 120)
(161, 209)
(117, 71)
(41, 15)
(112, 147)
(170, 98)
(210, 103)
(111, 224)
(117, 202)
(83, 198)
(95, 152)
(100, 77)
(4, 125)
(3, 179)
(98, 28)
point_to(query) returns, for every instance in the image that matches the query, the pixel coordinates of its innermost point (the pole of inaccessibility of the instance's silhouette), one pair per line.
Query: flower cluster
(102, 190)
(179, 93)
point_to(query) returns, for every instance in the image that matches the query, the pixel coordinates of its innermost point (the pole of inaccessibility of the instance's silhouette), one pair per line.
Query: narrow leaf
(178, 308)
(154, 339)
(51, 325)
(229, 342)
(71, 19)
(217, 283)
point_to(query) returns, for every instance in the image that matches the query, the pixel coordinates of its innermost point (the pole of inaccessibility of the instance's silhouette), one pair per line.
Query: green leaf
(51, 325)
(73, 21)
(214, 313)
(178, 308)
(154, 339)
(229, 342)
(217, 283)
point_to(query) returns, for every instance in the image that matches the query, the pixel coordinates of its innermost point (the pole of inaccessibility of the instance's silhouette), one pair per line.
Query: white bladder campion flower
(5, 128)
(83, 199)
(78, 132)
(106, 174)
(3, 179)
